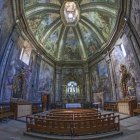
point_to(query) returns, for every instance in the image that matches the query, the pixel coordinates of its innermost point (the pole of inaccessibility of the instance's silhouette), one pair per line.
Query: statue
(125, 77)
(19, 85)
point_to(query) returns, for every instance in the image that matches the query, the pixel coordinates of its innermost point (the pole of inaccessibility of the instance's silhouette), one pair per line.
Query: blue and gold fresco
(91, 43)
(97, 20)
(71, 47)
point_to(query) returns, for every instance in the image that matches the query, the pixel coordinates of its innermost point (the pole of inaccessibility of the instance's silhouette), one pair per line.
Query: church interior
(69, 69)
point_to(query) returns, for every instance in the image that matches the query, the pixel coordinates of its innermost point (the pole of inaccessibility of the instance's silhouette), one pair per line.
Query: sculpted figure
(125, 76)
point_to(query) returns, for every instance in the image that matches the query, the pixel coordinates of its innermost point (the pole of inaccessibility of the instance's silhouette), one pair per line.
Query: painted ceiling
(74, 29)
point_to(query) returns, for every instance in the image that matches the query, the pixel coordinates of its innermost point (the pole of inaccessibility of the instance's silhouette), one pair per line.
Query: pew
(6, 113)
(72, 123)
(113, 106)
(137, 110)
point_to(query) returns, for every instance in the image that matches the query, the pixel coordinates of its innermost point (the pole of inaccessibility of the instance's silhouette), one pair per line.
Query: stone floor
(13, 130)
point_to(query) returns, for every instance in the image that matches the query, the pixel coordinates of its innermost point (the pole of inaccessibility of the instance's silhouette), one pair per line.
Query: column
(112, 78)
(58, 84)
(87, 85)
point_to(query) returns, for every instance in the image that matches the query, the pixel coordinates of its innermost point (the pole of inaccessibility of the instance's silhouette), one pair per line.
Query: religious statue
(19, 85)
(125, 77)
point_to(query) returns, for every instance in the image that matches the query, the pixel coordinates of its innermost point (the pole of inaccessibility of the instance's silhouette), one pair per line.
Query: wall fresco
(100, 82)
(32, 2)
(71, 47)
(76, 75)
(52, 41)
(46, 79)
(44, 20)
(103, 21)
(6, 20)
(106, 1)
(91, 43)
(9, 76)
(128, 59)
(135, 15)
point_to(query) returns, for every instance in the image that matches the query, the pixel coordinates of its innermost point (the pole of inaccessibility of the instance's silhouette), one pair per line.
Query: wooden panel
(127, 106)
(21, 109)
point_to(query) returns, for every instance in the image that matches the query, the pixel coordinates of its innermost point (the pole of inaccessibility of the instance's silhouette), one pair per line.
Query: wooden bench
(112, 106)
(137, 110)
(36, 108)
(73, 124)
(6, 113)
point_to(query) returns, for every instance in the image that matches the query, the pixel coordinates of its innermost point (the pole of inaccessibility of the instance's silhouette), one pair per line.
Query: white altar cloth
(73, 105)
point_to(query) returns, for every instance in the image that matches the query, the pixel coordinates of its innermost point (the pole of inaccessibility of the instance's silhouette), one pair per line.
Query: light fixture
(70, 15)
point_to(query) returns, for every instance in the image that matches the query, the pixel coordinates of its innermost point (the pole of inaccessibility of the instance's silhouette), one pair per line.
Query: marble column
(57, 84)
(6, 58)
(112, 79)
(133, 41)
(87, 84)
(131, 36)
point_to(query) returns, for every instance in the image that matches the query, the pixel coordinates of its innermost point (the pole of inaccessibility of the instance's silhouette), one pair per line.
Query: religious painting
(100, 80)
(122, 55)
(112, 2)
(103, 22)
(135, 15)
(103, 69)
(46, 77)
(29, 3)
(6, 20)
(94, 80)
(6, 88)
(72, 85)
(51, 42)
(91, 43)
(71, 47)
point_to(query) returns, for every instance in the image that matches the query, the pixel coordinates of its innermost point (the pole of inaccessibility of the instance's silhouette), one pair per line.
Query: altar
(73, 105)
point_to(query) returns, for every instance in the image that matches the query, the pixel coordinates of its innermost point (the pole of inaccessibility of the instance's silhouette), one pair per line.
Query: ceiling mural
(71, 29)
(71, 46)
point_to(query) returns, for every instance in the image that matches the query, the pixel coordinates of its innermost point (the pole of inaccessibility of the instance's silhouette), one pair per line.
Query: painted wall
(128, 58)
(100, 82)
(46, 79)
(73, 74)
(6, 21)
(135, 15)
(38, 76)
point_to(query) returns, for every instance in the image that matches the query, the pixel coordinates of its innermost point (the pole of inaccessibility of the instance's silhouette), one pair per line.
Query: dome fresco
(72, 30)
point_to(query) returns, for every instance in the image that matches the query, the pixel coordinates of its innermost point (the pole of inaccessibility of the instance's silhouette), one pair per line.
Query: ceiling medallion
(70, 13)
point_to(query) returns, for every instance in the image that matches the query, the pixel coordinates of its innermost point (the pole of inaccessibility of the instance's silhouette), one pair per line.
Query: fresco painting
(46, 77)
(103, 69)
(129, 61)
(52, 41)
(91, 43)
(28, 2)
(100, 81)
(6, 20)
(39, 23)
(135, 15)
(98, 25)
(103, 21)
(76, 75)
(106, 1)
(71, 47)
(95, 80)
(11, 72)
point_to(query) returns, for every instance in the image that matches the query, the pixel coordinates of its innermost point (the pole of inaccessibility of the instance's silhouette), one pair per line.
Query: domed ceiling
(72, 30)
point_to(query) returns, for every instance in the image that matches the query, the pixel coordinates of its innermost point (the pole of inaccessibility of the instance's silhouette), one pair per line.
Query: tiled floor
(13, 130)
